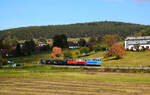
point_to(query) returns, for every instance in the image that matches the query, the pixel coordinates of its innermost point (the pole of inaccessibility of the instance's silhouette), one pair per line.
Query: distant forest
(75, 30)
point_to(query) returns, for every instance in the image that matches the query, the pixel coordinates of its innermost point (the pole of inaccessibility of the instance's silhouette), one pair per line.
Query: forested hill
(75, 30)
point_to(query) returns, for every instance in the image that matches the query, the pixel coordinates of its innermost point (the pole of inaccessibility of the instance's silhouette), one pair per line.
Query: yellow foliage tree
(75, 54)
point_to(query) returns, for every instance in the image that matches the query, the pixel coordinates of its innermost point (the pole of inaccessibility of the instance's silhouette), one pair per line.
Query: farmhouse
(141, 42)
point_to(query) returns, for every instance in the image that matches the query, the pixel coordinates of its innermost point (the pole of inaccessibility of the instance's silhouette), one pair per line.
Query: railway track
(99, 67)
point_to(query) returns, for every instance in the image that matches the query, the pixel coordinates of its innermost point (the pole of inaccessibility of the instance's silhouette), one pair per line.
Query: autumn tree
(117, 50)
(56, 53)
(109, 40)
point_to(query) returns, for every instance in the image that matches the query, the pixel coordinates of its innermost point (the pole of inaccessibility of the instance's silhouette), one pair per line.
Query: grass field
(32, 58)
(37, 79)
(44, 80)
(131, 59)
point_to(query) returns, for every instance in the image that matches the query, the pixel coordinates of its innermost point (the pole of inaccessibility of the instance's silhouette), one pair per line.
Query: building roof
(138, 38)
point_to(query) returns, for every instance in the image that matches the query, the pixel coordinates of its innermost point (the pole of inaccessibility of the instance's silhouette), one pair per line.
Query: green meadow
(131, 59)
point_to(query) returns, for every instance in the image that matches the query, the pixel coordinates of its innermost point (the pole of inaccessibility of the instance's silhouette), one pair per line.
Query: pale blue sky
(21, 13)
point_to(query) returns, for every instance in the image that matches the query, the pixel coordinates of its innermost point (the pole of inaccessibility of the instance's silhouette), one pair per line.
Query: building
(40, 44)
(73, 45)
(141, 42)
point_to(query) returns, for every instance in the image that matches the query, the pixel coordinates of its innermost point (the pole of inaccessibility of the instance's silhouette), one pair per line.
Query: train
(81, 62)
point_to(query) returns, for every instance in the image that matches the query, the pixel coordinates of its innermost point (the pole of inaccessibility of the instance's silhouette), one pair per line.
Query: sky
(22, 13)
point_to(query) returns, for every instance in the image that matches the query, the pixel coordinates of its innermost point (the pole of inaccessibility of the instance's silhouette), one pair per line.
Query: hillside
(131, 59)
(75, 30)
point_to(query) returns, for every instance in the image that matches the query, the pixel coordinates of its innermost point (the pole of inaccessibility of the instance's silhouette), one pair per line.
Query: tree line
(107, 43)
(78, 30)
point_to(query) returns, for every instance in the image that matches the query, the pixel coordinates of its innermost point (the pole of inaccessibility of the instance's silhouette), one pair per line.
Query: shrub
(131, 49)
(127, 49)
(99, 47)
(67, 54)
(45, 48)
(3, 61)
(147, 48)
(143, 48)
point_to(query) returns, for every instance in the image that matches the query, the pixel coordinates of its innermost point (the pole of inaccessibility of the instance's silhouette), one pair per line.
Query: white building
(131, 42)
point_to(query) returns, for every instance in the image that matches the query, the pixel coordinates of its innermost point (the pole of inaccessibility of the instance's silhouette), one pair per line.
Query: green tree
(29, 47)
(18, 50)
(75, 30)
(10, 40)
(84, 50)
(32, 45)
(1, 44)
(82, 42)
(146, 32)
(60, 41)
